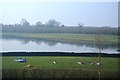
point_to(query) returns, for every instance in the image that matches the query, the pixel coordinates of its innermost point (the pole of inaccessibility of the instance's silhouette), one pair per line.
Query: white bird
(54, 62)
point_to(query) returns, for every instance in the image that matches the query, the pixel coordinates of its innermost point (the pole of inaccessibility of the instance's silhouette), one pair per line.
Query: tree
(99, 42)
(99, 45)
(24, 22)
(53, 23)
(80, 24)
(16, 24)
(63, 25)
(39, 23)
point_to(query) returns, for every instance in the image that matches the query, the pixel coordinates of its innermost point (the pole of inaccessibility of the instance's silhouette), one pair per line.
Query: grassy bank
(65, 67)
(89, 38)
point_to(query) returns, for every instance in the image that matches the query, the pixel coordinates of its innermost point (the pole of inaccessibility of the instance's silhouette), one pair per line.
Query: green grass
(46, 62)
(68, 37)
(0, 62)
(66, 67)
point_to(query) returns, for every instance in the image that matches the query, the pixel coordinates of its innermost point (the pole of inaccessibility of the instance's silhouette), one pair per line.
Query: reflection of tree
(99, 43)
(38, 42)
(51, 43)
(25, 41)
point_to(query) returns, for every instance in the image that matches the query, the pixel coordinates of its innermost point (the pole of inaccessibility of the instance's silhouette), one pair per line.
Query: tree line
(53, 26)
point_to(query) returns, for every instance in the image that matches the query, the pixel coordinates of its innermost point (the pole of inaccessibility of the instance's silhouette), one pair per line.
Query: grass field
(0, 62)
(61, 62)
(68, 37)
(65, 67)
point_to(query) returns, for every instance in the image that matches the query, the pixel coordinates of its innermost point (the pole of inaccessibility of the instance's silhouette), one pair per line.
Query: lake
(45, 45)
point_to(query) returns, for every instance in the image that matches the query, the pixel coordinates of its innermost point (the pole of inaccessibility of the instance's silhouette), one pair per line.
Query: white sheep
(79, 62)
(97, 63)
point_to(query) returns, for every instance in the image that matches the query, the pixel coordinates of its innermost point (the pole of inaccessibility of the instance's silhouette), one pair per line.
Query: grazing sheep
(90, 63)
(80, 62)
(29, 67)
(97, 63)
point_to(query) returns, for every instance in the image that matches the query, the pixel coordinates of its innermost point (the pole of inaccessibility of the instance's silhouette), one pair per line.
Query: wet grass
(61, 62)
(57, 73)
(0, 62)
(65, 67)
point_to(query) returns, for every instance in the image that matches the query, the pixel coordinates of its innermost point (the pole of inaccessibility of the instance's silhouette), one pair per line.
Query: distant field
(89, 38)
(65, 67)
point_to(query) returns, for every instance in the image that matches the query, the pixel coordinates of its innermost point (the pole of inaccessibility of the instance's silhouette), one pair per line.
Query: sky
(68, 13)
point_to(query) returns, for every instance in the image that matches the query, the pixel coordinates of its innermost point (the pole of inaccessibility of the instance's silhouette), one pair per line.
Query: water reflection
(52, 42)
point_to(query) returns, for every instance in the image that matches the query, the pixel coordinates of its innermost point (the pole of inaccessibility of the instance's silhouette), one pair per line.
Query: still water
(41, 45)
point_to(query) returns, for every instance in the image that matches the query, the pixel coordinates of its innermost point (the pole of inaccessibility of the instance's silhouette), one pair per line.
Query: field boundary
(58, 54)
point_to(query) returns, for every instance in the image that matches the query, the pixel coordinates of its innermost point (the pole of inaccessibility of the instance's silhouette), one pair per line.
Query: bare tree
(99, 45)
(99, 42)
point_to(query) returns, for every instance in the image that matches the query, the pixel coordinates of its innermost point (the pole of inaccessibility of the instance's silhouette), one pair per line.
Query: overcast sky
(68, 13)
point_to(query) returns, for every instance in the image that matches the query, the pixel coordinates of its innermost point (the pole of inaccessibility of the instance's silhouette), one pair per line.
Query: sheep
(97, 63)
(29, 67)
(80, 62)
